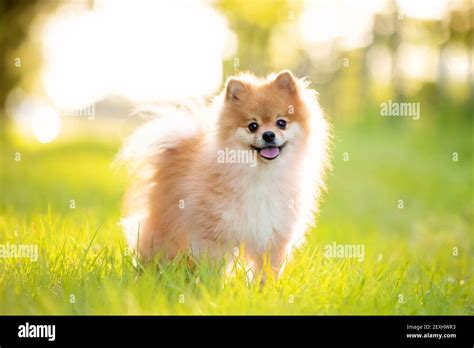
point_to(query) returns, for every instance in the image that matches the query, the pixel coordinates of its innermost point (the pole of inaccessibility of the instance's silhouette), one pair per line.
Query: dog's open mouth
(269, 152)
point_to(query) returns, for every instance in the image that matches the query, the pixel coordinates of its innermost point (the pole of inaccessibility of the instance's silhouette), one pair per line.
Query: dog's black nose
(268, 136)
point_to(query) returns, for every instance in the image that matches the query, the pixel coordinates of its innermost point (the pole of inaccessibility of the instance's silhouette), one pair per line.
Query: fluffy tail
(141, 153)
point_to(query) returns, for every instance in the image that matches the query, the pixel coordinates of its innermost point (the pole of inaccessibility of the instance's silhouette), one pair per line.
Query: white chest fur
(263, 206)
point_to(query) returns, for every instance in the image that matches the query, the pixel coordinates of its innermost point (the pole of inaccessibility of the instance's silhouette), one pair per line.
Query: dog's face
(267, 116)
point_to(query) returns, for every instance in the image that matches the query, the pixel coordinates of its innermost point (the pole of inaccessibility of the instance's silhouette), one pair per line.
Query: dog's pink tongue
(270, 152)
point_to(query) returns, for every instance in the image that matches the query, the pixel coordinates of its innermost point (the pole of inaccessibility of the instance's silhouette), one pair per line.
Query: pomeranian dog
(244, 172)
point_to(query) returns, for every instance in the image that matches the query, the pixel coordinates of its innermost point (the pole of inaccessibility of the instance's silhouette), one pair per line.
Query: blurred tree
(16, 17)
(254, 23)
(259, 22)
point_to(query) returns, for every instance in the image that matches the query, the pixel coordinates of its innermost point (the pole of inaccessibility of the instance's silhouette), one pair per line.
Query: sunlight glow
(142, 50)
(45, 123)
(433, 9)
(418, 62)
(350, 22)
(457, 62)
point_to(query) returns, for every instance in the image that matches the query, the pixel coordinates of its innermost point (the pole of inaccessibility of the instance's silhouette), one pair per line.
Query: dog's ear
(286, 81)
(234, 89)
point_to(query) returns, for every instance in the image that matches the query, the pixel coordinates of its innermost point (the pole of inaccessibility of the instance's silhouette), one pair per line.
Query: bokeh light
(145, 51)
(45, 123)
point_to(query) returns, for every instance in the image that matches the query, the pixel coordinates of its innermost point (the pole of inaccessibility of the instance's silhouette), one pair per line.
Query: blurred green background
(72, 71)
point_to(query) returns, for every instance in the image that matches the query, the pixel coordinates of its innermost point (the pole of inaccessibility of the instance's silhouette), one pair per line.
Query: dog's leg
(270, 261)
(278, 254)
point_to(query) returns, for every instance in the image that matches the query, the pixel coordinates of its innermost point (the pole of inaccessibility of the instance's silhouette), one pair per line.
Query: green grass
(408, 252)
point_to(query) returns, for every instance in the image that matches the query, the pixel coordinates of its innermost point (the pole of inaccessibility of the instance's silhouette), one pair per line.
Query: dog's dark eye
(281, 124)
(253, 127)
